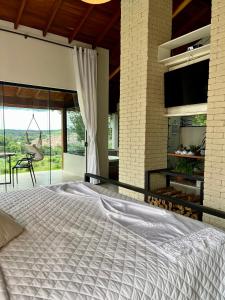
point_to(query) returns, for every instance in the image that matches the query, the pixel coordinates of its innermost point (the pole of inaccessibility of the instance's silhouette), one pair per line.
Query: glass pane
(113, 145)
(56, 135)
(28, 135)
(34, 125)
(2, 144)
(75, 156)
(75, 133)
(187, 138)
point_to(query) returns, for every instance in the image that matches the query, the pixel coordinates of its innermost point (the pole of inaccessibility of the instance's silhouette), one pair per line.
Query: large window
(51, 134)
(39, 114)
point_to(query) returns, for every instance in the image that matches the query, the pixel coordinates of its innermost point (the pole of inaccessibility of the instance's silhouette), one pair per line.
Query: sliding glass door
(3, 178)
(76, 150)
(34, 125)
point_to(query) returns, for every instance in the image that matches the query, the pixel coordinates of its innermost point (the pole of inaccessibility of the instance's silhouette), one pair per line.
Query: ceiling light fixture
(95, 1)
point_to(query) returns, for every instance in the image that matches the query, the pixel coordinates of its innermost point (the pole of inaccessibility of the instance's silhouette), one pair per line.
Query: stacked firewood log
(178, 208)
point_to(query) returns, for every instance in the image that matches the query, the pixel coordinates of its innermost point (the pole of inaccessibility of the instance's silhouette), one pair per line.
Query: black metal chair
(24, 163)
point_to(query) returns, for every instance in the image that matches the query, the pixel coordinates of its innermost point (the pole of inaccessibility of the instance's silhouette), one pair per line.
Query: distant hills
(19, 136)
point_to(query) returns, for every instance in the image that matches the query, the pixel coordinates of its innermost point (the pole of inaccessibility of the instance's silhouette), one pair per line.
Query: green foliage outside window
(15, 142)
(199, 120)
(75, 133)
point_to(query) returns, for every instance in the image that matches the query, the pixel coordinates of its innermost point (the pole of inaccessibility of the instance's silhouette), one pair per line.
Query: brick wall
(160, 24)
(145, 24)
(215, 136)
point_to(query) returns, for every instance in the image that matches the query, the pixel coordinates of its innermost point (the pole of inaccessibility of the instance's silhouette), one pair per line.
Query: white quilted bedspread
(73, 249)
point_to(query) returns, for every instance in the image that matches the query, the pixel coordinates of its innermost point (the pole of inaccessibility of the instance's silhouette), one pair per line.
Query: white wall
(74, 164)
(35, 62)
(192, 135)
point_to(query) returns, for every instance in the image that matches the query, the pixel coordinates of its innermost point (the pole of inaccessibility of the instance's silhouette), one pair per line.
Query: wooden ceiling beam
(114, 73)
(31, 103)
(36, 103)
(57, 5)
(83, 20)
(107, 28)
(20, 13)
(181, 7)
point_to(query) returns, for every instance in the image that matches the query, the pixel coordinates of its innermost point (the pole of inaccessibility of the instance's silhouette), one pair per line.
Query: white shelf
(186, 110)
(164, 50)
(187, 56)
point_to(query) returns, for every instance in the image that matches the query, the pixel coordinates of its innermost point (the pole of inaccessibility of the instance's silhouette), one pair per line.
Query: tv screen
(187, 85)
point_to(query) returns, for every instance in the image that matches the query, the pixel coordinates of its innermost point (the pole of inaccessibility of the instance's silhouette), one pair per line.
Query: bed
(83, 242)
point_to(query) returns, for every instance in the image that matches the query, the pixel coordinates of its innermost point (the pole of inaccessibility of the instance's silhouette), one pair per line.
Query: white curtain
(85, 64)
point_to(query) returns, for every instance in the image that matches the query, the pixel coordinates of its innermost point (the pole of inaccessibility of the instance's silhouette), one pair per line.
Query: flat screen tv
(187, 85)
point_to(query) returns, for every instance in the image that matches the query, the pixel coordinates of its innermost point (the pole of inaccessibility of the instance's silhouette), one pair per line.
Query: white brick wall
(215, 136)
(143, 130)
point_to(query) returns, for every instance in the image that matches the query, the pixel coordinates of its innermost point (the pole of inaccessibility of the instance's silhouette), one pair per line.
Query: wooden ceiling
(18, 96)
(98, 25)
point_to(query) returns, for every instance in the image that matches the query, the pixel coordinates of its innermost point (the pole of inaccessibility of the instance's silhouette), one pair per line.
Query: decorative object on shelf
(184, 152)
(195, 149)
(181, 150)
(200, 43)
(192, 150)
(188, 162)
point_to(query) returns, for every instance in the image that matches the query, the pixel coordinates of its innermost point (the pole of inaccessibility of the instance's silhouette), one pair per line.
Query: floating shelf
(164, 50)
(186, 156)
(186, 56)
(186, 110)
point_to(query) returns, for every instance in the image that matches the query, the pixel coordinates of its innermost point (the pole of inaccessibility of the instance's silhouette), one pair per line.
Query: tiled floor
(43, 178)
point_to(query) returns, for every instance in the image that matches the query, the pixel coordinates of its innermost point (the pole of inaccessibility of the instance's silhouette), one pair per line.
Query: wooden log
(180, 207)
(188, 208)
(163, 190)
(195, 216)
(171, 193)
(187, 214)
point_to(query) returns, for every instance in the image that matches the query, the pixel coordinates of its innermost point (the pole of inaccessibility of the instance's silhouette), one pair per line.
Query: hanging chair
(34, 149)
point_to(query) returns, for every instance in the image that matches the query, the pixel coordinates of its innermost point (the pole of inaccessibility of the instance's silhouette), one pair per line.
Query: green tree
(199, 120)
(77, 125)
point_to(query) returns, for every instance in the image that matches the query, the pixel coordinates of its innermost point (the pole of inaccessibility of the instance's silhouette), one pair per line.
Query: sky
(19, 118)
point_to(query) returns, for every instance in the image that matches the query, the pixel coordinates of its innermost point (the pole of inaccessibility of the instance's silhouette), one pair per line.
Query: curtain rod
(36, 38)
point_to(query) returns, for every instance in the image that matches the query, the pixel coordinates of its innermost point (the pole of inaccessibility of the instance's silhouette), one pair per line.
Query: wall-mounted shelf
(186, 110)
(186, 56)
(164, 50)
(186, 156)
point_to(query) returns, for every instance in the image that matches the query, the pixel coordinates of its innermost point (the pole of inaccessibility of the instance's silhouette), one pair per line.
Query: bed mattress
(81, 243)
